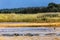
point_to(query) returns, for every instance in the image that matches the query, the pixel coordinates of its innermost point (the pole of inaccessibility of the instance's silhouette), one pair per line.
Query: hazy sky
(24, 3)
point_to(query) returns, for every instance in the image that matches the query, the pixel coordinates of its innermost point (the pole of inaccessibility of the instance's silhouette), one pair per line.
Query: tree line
(52, 7)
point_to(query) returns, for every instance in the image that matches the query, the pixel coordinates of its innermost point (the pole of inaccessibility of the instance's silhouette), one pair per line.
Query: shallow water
(27, 29)
(42, 31)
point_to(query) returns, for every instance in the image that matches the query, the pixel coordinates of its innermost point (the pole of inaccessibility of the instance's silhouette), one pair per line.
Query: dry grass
(34, 20)
(37, 18)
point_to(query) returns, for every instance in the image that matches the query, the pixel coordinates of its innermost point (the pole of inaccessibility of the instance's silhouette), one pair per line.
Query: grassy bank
(36, 18)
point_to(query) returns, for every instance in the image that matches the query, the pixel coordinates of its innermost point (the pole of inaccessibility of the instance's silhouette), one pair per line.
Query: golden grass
(34, 20)
(37, 18)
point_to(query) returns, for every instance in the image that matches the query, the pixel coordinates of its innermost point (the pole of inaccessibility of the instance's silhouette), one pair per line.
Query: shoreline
(29, 24)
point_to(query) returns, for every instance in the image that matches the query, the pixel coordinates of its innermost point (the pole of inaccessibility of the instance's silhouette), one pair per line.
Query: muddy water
(32, 30)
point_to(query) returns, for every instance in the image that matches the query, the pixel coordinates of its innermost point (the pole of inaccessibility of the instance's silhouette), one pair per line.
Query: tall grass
(40, 17)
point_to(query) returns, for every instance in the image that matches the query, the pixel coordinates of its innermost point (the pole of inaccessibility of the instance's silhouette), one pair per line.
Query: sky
(25, 3)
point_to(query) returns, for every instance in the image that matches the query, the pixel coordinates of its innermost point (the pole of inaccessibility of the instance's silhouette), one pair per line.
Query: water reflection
(29, 31)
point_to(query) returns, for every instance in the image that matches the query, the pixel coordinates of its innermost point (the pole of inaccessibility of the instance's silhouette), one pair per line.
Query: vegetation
(37, 18)
(29, 14)
(52, 7)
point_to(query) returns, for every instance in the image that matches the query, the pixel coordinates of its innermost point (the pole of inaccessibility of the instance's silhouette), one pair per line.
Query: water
(27, 29)
(32, 30)
(24, 30)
